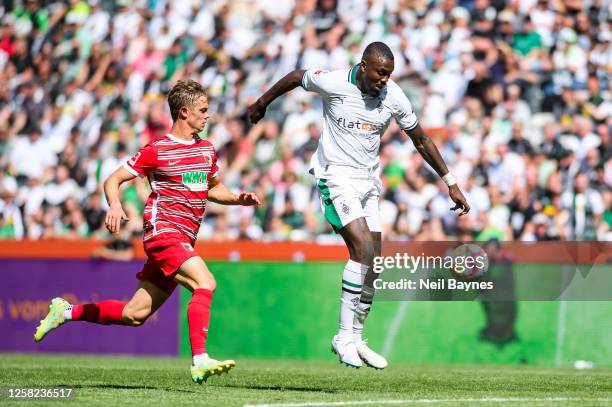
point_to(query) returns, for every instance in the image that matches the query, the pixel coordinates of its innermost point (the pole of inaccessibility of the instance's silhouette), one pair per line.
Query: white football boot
(347, 351)
(370, 357)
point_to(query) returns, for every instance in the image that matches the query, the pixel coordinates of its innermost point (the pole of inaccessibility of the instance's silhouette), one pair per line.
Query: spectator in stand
(518, 94)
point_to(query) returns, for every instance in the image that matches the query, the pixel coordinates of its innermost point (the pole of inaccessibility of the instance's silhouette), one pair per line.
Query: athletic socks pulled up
(361, 311)
(198, 317)
(352, 282)
(108, 312)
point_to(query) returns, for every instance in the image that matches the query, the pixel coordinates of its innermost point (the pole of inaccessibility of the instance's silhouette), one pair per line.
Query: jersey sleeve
(214, 169)
(402, 110)
(317, 80)
(143, 162)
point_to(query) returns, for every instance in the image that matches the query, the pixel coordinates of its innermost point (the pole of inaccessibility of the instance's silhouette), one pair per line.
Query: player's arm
(218, 193)
(115, 213)
(430, 153)
(289, 82)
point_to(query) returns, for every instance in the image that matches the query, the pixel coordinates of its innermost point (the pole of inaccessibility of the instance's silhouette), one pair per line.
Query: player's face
(375, 74)
(197, 115)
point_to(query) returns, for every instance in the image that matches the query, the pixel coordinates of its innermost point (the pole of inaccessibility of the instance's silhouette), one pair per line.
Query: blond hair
(184, 93)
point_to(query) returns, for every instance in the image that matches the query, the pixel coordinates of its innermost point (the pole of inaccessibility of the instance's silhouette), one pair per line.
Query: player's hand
(457, 196)
(256, 111)
(114, 217)
(248, 199)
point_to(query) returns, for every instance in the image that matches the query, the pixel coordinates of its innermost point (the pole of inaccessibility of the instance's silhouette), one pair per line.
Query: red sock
(198, 316)
(105, 312)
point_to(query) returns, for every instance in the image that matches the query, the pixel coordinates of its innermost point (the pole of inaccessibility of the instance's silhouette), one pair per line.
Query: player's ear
(183, 112)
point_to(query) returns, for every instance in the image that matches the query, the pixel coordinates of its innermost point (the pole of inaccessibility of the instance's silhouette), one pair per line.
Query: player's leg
(341, 205)
(195, 276)
(362, 310)
(146, 300)
(358, 240)
(373, 246)
(363, 307)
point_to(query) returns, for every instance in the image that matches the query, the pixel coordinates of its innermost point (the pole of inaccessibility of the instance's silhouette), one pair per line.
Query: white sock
(68, 313)
(199, 358)
(349, 298)
(362, 311)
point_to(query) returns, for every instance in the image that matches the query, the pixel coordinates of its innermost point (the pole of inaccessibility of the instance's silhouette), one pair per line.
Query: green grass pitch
(125, 381)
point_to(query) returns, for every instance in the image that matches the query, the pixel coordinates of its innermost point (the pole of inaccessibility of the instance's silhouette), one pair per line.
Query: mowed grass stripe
(127, 381)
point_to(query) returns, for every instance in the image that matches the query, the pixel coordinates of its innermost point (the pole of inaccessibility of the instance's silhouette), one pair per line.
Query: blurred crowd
(516, 94)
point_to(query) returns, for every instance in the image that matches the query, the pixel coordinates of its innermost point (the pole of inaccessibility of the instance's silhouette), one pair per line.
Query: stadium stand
(517, 95)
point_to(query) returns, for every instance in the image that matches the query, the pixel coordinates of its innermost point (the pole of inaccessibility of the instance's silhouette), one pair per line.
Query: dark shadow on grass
(281, 388)
(123, 387)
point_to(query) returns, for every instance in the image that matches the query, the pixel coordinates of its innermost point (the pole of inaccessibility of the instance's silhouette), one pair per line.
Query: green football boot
(210, 367)
(54, 318)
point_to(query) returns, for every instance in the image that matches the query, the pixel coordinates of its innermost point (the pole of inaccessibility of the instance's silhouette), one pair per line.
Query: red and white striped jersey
(178, 171)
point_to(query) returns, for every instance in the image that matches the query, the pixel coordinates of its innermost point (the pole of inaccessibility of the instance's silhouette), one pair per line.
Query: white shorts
(349, 195)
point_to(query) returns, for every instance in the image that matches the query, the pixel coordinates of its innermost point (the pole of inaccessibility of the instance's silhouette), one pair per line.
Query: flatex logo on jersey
(196, 180)
(356, 125)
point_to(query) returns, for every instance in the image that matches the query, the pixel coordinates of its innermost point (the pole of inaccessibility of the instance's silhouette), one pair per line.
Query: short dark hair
(184, 93)
(378, 50)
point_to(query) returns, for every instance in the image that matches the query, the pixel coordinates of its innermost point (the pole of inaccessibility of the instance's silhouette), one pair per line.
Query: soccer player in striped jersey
(358, 104)
(183, 173)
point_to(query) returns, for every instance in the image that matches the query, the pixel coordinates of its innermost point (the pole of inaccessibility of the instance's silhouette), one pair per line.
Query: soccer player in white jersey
(358, 104)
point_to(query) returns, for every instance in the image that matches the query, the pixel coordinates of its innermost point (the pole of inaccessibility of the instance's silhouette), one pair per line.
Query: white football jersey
(354, 122)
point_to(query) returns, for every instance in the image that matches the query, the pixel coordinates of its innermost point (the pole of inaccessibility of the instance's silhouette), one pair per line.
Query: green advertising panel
(290, 311)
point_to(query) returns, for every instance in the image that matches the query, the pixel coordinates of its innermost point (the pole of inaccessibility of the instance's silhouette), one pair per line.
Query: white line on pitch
(430, 401)
(394, 327)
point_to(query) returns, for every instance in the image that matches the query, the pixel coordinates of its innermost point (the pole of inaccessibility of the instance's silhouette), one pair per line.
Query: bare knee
(362, 250)
(207, 282)
(359, 241)
(132, 317)
(367, 254)
(199, 281)
(194, 274)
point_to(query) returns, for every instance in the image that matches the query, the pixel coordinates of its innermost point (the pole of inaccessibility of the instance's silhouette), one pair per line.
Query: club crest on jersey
(207, 158)
(135, 158)
(196, 180)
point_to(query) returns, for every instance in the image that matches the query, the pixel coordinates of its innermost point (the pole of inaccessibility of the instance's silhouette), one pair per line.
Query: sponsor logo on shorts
(187, 247)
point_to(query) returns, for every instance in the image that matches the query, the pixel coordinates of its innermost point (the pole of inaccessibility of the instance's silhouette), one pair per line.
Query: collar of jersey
(352, 76)
(178, 140)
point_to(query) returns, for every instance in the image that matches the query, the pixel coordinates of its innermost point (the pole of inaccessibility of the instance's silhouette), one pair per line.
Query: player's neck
(359, 82)
(182, 130)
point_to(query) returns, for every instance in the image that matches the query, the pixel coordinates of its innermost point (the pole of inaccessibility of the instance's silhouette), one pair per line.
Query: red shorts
(165, 253)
